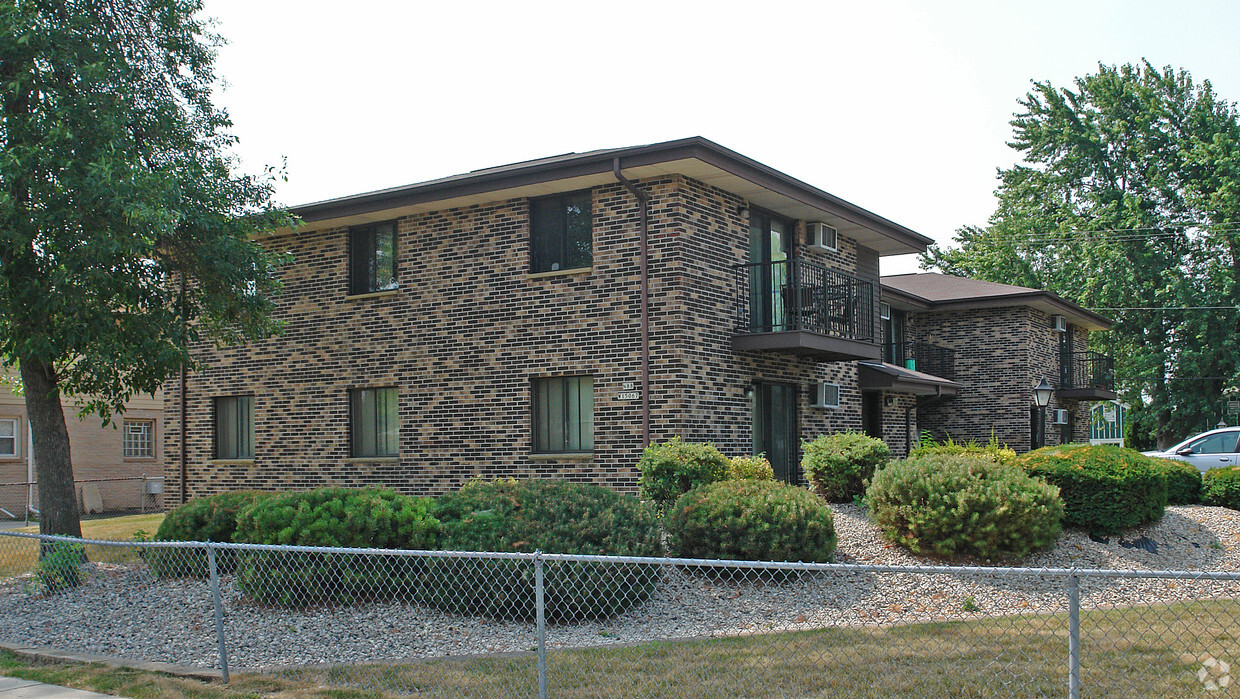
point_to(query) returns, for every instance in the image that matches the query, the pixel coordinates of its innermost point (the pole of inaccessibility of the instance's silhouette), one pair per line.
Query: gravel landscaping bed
(123, 611)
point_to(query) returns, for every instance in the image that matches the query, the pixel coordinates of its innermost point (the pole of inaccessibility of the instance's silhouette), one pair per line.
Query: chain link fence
(455, 624)
(97, 497)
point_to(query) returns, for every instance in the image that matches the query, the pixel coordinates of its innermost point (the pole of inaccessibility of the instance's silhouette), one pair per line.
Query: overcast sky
(899, 107)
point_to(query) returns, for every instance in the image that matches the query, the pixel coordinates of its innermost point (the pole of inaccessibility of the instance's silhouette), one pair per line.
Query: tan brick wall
(467, 330)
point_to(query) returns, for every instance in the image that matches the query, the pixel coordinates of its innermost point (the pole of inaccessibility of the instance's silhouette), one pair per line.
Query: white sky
(899, 107)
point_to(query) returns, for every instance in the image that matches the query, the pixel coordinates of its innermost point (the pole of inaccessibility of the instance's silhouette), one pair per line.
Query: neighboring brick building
(502, 323)
(112, 458)
(993, 342)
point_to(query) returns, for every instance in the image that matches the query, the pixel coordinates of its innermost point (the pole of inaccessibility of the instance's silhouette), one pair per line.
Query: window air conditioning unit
(827, 395)
(1059, 323)
(1061, 416)
(823, 237)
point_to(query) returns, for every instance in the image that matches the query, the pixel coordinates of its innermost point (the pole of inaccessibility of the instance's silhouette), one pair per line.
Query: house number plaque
(629, 395)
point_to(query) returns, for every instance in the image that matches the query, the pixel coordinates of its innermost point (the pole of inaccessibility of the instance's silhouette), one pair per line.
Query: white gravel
(123, 611)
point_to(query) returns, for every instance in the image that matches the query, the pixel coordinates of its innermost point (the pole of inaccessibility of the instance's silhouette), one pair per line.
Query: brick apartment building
(550, 318)
(993, 342)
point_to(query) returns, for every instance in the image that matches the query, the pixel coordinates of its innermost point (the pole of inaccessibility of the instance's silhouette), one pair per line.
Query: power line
(1168, 308)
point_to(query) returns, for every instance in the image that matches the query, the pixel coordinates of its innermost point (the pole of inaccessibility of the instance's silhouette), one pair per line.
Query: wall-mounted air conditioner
(826, 395)
(1059, 323)
(1061, 416)
(823, 237)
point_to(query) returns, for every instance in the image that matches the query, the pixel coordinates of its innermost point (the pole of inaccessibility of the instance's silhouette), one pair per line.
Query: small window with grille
(139, 439)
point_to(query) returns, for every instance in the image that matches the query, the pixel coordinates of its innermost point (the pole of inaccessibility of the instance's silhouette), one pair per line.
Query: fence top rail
(662, 561)
(90, 480)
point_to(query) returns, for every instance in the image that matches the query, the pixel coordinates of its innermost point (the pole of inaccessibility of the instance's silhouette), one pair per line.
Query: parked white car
(1213, 449)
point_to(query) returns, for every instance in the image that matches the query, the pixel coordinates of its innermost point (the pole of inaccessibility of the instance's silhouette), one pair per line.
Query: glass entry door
(775, 427)
(770, 247)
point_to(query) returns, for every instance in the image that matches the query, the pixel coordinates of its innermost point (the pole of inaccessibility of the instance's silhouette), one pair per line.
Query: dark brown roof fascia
(998, 301)
(600, 162)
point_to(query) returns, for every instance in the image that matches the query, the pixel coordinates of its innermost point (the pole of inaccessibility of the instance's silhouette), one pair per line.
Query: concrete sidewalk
(13, 688)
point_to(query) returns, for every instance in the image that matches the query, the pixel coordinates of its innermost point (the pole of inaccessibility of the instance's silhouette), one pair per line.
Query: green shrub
(1183, 481)
(838, 465)
(670, 469)
(1222, 487)
(993, 450)
(211, 518)
(967, 504)
(60, 566)
(333, 517)
(1105, 488)
(549, 516)
(750, 468)
(748, 520)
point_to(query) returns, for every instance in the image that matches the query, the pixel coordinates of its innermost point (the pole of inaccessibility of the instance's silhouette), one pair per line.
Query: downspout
(184, 431)
(643, 199)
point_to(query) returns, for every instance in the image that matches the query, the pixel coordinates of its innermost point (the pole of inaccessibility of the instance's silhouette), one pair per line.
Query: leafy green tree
(1128, 197)
(125, 233)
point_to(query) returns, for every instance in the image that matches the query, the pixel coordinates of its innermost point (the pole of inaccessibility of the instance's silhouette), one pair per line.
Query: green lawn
(1146, 651)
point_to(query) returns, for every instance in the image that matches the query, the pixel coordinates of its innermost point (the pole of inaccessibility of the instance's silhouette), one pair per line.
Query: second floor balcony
(1087, 376)
(922, 356)
(803, 307)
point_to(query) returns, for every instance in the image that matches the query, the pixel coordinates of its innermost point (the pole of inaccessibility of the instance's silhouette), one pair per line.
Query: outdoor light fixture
(742, 211)
(1042, 398)
(1042, 393)
(1221, 424)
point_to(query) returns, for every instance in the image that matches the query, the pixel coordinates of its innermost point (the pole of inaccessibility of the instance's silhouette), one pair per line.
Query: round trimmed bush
(1183, 481)
(333, 517)
(750, 468)
(1221, 487)
(211, 518)
(550, 516)
(838, 465)
(670, 469)
(1105, 489)
(971, 505)
(748, 520)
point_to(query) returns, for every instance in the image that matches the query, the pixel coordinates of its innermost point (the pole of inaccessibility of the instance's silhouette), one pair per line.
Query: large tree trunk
(58, 507)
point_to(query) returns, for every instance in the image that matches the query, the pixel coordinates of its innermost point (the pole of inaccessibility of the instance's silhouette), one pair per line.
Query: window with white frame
(8, 436)
(139, 439)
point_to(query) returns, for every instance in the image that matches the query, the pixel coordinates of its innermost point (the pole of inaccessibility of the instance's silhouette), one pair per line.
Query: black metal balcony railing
(803, 295)
(923, 357)
(1088, 370)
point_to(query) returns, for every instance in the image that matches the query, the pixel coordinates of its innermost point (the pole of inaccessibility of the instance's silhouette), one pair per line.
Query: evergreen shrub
(839, 465)
(211, 518)
(964, 505)
(1221, 487)
(550, 516)
(338, 518)
(670, 469)
(751, 520)
(1105, 489)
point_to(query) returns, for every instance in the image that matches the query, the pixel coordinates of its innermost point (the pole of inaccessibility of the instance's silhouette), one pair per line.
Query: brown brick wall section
(467, 330)
(1001, 353)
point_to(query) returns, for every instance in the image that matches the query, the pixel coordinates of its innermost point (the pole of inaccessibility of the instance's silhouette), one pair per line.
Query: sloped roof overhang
(696, 157)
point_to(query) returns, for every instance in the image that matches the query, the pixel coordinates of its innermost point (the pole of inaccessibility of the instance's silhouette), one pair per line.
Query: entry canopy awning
(881, 376)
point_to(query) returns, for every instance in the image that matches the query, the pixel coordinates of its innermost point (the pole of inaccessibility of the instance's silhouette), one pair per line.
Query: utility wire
(1168, 308)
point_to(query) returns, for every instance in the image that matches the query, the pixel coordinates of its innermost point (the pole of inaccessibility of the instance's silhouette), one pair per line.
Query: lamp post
(1221, 424)
(1041, 398)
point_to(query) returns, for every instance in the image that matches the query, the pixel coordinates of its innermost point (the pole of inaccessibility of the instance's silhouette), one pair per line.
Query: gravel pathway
(123, 611)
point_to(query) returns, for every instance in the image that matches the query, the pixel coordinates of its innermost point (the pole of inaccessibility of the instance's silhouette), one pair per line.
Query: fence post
(540, 624)
(1074, 636)
(219, 613)
(142, 494)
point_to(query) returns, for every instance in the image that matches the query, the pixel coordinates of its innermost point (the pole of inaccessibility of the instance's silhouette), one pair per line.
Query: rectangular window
(234, 427)
(8, 437)
(139, 439)
(372, 258)
(561, 232)
(564, 415)
(375, 423)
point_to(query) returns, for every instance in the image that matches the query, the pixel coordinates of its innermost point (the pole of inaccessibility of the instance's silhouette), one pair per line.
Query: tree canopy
(126, 232)
(1127, 200)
